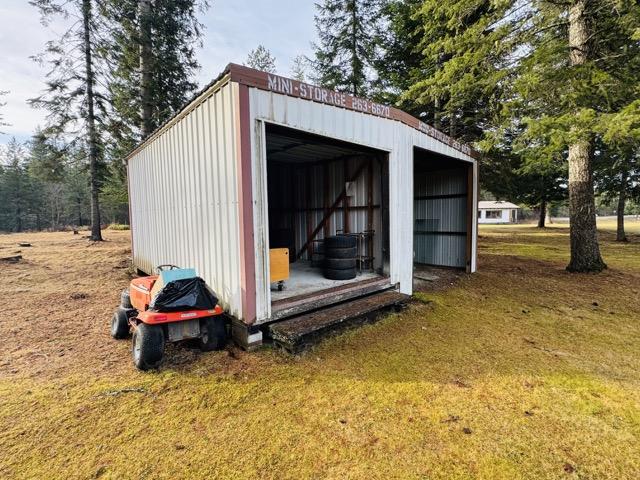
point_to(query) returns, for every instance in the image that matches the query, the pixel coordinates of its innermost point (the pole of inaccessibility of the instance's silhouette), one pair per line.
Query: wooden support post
(346, 227)
(370, 210)
(294, 214)
(470, 208)
(326, 172)
(309, 207)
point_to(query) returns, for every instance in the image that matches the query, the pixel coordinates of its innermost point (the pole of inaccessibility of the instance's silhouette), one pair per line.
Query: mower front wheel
(120, 324)
(147, 346)
(214, 336)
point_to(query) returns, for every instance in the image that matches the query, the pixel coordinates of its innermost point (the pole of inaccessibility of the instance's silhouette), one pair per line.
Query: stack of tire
(340, 257)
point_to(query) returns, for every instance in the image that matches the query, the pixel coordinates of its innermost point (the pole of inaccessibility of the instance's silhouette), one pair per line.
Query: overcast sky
(233, 28)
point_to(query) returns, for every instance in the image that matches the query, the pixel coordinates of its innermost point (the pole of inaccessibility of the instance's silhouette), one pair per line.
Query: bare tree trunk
(542, 214)
(146, 67)
(452, 124)
(354, 47)
(96, 233)
(585, 251)
(18, 211)
(18, 226)
(622, 201)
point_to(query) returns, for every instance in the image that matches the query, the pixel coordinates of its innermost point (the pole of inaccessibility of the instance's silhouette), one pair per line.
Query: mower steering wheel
(166, 266)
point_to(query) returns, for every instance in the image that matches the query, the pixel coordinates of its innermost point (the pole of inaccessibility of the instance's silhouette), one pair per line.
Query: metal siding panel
(184, 200)
(440, 214)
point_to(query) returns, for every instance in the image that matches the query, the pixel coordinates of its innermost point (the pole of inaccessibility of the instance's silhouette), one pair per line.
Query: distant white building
(497, 212)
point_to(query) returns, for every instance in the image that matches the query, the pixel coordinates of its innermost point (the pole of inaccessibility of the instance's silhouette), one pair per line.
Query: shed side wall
(184, 198)
(440, 221)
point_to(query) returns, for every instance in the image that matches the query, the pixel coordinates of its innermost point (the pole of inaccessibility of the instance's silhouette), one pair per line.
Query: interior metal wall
(440, 217)
(297, 201)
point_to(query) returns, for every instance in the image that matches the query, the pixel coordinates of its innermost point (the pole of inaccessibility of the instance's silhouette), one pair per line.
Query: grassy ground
(519, 371)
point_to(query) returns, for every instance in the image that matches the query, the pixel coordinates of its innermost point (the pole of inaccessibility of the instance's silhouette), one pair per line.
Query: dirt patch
(433, 279)
(58, 302)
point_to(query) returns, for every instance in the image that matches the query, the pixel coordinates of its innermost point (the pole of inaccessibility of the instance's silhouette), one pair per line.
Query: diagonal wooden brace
(332, 209)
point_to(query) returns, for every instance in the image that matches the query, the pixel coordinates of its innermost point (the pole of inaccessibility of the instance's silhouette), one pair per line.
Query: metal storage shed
(257, 160)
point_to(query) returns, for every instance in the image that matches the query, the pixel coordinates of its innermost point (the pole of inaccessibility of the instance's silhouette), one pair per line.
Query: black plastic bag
(185, 294)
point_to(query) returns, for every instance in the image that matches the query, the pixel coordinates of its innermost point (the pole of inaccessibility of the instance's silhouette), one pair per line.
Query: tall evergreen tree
(617, 175)
(17, 191)
(299, 68)
(464, 50)
(582, 63)
(401, 62)
(261, 59)
(346, 52)
(71, 96)
(555, 72)
(46, 160)
(152, 52)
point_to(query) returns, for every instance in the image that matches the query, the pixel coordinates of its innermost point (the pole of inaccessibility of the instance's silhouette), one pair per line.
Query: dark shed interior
(318, 187)
(441, 210)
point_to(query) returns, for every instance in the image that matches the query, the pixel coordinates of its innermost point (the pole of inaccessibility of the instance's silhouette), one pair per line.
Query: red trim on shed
(294, 88)
(247, 257)
(133, 255)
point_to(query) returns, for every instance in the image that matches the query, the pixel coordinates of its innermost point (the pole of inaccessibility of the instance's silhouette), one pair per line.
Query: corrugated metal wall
(184, 197)
(297, 200)
(440, 217)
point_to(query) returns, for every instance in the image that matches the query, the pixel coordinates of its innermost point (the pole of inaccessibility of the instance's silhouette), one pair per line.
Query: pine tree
(152, 51)
(347, 48)
(45, 158)
(299, 68)
(582, 64)
(557, 73)
(525, 176)
(261, 59)
(464, 50)
(72, 98)
(617, 176)
(401, 63)
(16, 188)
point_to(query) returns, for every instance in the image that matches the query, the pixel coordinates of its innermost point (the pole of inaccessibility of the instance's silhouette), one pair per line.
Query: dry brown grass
(519, 371)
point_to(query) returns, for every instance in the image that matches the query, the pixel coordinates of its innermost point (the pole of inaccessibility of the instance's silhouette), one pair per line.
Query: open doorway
(319, 187)
(442, 210)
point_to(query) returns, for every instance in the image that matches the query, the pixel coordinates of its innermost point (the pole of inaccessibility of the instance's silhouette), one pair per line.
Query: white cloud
(233, 28)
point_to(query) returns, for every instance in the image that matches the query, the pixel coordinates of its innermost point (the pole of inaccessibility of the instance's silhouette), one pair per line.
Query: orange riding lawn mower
(172, 306)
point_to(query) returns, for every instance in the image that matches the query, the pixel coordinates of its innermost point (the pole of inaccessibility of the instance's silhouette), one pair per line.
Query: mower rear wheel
(125, 299)
(147, 346)
(215, 336)
(120, 324)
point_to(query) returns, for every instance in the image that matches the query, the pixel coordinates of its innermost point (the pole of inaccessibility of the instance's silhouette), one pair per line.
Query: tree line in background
(547, 90)
(118, 71)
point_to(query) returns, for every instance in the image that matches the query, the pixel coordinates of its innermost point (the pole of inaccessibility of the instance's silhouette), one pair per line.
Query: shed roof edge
(294, 88)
